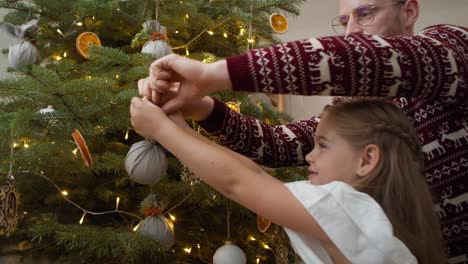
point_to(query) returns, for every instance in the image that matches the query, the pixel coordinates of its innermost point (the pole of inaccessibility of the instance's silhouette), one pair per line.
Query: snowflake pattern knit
(426, 75)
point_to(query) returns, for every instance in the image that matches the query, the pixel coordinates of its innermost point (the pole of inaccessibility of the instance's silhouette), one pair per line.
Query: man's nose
(353, 27)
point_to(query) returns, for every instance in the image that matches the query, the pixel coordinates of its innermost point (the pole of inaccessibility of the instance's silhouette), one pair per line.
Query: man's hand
(193, 78)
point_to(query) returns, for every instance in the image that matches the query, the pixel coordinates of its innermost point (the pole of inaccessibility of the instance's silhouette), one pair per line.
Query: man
(427, 74)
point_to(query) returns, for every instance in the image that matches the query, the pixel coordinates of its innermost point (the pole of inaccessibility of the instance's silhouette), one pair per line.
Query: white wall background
(314, 22)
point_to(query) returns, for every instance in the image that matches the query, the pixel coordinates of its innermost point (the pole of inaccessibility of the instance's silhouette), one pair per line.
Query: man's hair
(397, 183)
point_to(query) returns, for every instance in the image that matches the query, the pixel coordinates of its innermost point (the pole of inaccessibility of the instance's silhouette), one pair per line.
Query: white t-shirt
(353, 220)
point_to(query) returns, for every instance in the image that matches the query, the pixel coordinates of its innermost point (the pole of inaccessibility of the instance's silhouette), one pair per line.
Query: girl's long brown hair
(397, 183)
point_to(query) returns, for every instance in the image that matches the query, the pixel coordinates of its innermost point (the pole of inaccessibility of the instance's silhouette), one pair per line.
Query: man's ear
(370, 158)
(411, 13)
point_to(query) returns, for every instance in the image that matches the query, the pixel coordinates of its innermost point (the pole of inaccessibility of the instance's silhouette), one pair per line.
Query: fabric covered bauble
(229, 254)
(8, 207)
(158, 45)
(24, 52)
(146, 163)
(159, 228)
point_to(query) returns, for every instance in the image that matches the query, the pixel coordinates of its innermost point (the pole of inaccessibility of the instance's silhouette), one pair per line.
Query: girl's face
(333, 158)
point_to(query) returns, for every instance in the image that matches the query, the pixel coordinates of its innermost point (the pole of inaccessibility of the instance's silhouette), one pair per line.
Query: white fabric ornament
(157, 46)
(159, 228)
(146, 163)
(229, 254)
(24, 52)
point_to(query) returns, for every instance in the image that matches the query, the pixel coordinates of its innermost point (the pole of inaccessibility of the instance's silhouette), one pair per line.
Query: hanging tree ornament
(81, 143)
(157, 45)
(24, 52)
(84, 41)
(263, 224)
(156, 225)
(8, 207)
(278, 23)
(9, 200)
(146, 163)
(229, 253)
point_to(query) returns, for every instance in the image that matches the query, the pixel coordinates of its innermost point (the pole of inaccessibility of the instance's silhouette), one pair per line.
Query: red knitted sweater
(426, 74)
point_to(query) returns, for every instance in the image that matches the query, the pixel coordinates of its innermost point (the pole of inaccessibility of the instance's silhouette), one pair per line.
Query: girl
(365, 201)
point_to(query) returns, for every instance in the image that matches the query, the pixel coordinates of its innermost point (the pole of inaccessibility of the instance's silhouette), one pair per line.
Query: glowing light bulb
(117, 200)
(75, 151)
(65, 54)
(136, 227)
(126, 134)
(258, 260)
(82, 218)
(251, 238)
(225, 34)
(173, 218)
(64, 193)
(79, 24)
(210, 32)
(188, 250)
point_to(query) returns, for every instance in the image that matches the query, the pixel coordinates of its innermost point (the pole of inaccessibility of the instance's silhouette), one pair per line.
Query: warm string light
(210, 32)
(75, 151)
(258, 260)
(251, 238)
(65, 193)
(188, 250)
(117, 200)
(173, 218)
(126, 134)
(136, 227)
(82, 218)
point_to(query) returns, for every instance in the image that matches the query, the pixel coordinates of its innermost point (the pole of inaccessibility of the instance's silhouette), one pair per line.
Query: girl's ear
(370, 158)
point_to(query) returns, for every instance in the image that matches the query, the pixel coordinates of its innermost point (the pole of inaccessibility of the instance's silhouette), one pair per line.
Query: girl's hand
(146, 117)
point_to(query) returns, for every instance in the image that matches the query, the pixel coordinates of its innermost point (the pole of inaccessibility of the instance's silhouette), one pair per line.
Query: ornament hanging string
(156, 13)
(12, 149)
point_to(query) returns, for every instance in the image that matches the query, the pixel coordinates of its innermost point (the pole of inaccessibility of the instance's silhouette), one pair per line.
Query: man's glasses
(362, 15)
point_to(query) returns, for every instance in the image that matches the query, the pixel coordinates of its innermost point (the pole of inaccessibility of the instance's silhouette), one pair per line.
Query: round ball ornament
(24, 52)
(229, 254)
(158, 228)
(146, 163)
(157, 45)
(8, 208)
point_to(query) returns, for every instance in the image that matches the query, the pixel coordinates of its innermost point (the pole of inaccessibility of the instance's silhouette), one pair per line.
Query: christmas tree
(65, 131)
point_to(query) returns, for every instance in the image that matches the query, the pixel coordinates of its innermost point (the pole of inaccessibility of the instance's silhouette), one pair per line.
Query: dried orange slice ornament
(263, 223)
(84, 41)
(234, 106)
(81, 143)
(278, 23)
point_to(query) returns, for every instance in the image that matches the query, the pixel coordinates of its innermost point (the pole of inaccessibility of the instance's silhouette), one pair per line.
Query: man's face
(387, 20)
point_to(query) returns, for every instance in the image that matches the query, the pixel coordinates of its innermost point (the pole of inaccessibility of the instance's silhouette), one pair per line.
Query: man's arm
(431, 64)
(272, 146)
